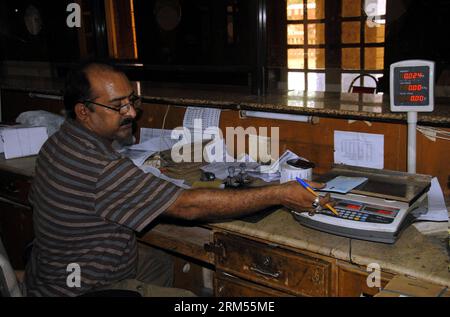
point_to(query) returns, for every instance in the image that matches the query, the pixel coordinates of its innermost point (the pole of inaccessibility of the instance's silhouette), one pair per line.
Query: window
(358, 36)
(306, 45)
(362, 35)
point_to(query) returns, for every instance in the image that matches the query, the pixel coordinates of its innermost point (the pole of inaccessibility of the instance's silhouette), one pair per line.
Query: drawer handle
(317, 277)
(256, 269)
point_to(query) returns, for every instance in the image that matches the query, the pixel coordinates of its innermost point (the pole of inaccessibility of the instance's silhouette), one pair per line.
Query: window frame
(333, 59)
(362, 45)
(306, 46)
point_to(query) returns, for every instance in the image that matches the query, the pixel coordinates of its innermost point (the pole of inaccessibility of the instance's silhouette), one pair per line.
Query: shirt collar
(93, 140)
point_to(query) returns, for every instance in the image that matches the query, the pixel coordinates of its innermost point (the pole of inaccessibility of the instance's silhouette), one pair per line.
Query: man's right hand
(296, 197)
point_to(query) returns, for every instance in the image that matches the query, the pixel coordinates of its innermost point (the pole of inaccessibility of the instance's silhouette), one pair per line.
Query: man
(89, 201)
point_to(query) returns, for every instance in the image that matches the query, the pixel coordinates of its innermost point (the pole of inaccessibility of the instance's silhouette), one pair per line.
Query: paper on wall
(359, 149)
(208, 118)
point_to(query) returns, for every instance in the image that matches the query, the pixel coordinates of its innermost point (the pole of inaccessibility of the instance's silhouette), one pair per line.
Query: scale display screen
(412, 86)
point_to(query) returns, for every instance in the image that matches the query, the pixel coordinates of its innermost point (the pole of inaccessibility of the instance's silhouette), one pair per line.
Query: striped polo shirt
(88, 201)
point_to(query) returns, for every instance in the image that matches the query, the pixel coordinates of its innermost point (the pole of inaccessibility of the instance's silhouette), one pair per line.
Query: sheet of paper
(208, 118)
(276, 166)
(155, 144)
(359, 149)
(266, 177)
(343, 184)
(138, 157)
(20, 142)
(157, 173)
(435, 210)
(160, 140)
(148, 133)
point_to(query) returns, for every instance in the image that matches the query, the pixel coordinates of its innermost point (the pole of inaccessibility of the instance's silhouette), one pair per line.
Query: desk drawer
(14, 187)
(230, 286)
(281, 269)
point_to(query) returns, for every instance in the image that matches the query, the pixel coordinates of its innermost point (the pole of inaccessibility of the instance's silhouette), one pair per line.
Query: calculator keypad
(363, 213)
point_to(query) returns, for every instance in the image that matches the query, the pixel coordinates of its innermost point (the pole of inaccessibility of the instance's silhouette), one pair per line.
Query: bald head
(80, 81)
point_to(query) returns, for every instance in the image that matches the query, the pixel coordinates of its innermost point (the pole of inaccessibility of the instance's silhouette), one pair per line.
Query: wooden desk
(278, 256)
(273, 257)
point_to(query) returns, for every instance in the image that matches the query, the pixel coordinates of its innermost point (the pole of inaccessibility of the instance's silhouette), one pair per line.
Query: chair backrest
(362, 89)
(9, 286)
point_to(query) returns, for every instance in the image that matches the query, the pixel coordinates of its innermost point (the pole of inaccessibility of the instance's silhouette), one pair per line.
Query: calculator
(358, 211)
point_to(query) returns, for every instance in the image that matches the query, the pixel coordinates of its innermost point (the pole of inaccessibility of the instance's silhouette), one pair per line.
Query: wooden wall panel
(433, 158)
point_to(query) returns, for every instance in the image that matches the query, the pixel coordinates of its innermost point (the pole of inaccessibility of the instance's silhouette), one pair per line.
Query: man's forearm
(206, 204)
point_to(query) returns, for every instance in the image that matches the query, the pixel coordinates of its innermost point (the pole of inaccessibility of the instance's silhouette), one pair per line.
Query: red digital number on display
(414, 87)
(417, 98)
(413, 75)
(411, 87)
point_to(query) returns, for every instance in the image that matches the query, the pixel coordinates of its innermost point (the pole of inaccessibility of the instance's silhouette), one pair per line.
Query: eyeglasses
(134, 101)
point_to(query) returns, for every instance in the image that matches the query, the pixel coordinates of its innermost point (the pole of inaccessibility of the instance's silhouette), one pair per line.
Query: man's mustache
(126, 121)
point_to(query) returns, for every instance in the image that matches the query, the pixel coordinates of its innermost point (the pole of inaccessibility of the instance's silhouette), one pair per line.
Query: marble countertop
(323, 104)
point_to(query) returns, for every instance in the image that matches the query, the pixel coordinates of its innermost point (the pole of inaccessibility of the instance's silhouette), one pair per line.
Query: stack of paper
(20, 141)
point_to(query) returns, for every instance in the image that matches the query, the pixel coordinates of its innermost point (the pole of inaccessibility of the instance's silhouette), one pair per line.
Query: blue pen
(304, 184)
(309, 188)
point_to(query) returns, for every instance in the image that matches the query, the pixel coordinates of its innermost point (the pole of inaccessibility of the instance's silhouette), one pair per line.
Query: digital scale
(377, 210)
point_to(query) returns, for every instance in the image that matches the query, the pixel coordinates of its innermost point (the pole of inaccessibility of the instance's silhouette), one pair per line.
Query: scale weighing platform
(377, 210)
